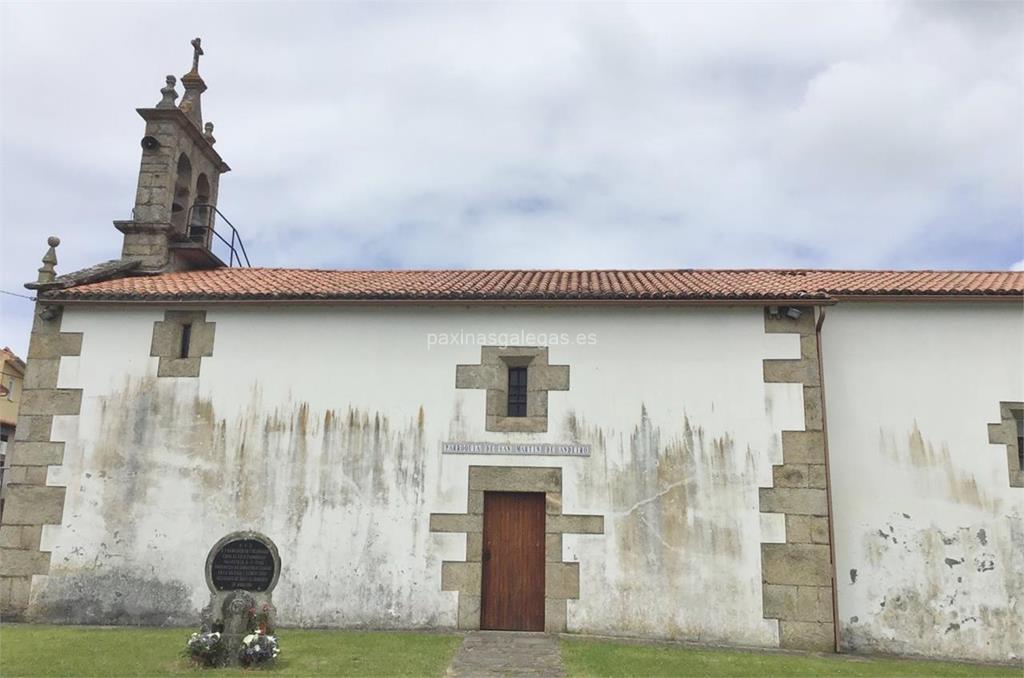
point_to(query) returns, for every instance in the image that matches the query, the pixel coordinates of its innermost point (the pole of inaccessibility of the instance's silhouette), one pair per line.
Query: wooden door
(513, 562)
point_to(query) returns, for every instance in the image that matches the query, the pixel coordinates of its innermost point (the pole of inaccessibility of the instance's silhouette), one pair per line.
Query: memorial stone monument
(241, 570)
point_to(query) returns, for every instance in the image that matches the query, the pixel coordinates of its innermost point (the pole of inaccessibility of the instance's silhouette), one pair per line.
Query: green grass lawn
(29, 650)
(599, 658)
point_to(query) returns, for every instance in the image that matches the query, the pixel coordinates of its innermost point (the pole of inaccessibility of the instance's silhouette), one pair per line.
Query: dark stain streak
(951, 562)
(890, 535)
(853, 575)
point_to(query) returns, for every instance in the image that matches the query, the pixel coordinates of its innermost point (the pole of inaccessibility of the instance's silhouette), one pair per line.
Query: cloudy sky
(533, 135)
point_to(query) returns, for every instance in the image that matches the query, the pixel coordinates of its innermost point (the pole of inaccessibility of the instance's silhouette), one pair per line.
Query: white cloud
(686, 134)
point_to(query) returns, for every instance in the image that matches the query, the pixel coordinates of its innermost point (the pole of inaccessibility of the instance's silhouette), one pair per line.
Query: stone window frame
(1005, 433)
(561, 579)
(166, 344)
(492, 374)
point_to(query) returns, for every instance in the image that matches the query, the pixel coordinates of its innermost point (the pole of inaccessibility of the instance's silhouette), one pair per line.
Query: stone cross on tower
(194, 87)
(197, 51)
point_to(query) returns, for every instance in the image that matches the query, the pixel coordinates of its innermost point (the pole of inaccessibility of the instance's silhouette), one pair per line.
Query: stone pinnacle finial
(208, 133)
(168, 93)
(48, 271)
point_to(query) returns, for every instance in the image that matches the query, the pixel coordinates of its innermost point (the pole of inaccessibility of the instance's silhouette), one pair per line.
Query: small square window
(517, 391)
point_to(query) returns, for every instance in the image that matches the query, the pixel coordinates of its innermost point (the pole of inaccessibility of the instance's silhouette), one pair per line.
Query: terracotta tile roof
(682, 284)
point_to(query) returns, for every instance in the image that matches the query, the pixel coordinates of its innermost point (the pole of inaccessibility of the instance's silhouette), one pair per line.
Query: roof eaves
(107, 270)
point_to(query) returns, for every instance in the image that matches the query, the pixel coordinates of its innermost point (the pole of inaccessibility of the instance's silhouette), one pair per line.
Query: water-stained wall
(321, 427)
(929, 534)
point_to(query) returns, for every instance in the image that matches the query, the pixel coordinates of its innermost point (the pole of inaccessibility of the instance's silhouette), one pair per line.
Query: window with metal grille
(1018, 416)
(517, 391)
(186, 340)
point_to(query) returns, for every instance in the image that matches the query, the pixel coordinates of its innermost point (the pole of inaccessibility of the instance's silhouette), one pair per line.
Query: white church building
(826, 460)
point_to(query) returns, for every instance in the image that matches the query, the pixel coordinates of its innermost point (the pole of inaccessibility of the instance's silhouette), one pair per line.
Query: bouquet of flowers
(206, 648)
(258, 648)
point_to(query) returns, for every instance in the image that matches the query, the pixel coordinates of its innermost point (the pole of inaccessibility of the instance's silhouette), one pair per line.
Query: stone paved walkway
(487, 654)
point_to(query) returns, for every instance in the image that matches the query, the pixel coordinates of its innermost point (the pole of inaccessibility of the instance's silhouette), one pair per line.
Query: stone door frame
(561, 579)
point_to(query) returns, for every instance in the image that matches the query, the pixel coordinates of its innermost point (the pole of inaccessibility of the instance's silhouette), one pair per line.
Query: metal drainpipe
(828, 482)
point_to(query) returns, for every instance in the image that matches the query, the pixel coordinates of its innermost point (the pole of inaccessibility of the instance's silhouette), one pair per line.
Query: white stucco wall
(929, 534)
(321, 427)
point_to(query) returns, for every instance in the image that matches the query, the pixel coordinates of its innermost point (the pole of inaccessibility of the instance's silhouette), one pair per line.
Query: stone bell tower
(173, 219)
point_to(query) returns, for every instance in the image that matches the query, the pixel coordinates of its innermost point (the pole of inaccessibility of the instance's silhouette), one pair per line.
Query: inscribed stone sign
(521, 449)
(243, 564)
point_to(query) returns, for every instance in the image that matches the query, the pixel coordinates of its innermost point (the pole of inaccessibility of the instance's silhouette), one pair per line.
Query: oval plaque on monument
(243, 561)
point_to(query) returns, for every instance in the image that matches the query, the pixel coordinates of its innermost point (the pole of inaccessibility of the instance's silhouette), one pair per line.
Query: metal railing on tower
(200, 229)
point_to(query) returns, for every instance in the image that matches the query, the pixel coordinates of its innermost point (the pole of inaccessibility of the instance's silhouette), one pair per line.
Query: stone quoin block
(515, 479)
(796, 564)
(816, 476)
(553, 548)
(785, 371)
(474, 547)
(555, 614)
(456, 522)
(26, 475)
(25, 453)
(19, 562)
(790, 475)
(575, 524)
(783, 324)
(810, 636)
(803, 447)
(10, 536)
(456, 576)
(21, 536)
(819, 530)
(552, 378)
(34, 428)
(553, 503)
(50, 346)
(15, 592)
(812, 408)
(59, 401)
(798, 603)
(33, 505)
(562, 580)
(798, 529)
(503, 424)
(778, 600)
(41, 373)
(469, 612)
(475, 502)
(798, 500)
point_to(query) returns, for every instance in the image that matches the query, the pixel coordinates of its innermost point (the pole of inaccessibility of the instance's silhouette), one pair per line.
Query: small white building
(796, 458)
